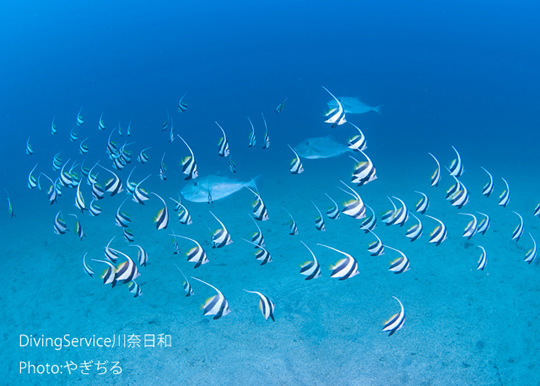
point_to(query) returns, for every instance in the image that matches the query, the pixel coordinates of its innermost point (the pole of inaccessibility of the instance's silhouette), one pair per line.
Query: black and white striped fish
(456, 167)
(484, 224)
(32, 181)
(472, 226)
(78, 227)
(196, 254)
(370, 223)
(189, 166)
(101, 124)
(89, 271)
(183, 214)
(376, 248)
(319, 220)
(488, 187)
(73, 136)
(401, 264)
(110, 253)
(65, 177)
(187, 287)
(125, 271)
(336, 115)
(60, 226)
(296, 166)
(143, 156)
(280, 107)
(460, 196)
(29, 150)
(139, 194)
(97, 191)
(53, 127)
(344, 268)
(171, 132)
(128, 131)
(217, 305)
(531, 253)
(265, 305)
(482, 261)
(414, 232)
(142, 255)
(83, 147)
(223, 144)
(221, 236)
(536, 212)
(260, 212)
(108, 274)
(396, 321)
(518, 231)
(439, 234)
(121, 218)
(130, 185)
(135, 289)
(252, 137)
(162, 169)
(355, 207)
(257, 237)
(333, 211)
(358, 141)
(128, 235)
(389, 216)
(79, 199)
(293, 229)
(261, 253)
(423, 204)
(266, 140)
(364, 172)
(311, 269)
(504, 198)
(436, 176)
(57, 162)
(401, 216)
(162, 217)
(52, 191)
(182, 106)
(113, 185)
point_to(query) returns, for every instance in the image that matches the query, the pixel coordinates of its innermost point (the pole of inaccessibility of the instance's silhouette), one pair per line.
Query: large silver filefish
(320, 147)
(213, 188)
(353, 105)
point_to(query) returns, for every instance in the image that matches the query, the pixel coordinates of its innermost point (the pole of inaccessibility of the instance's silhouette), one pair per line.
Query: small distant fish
(101, 124)
(358, 141)
(311, 269)
(472, 226)
(52, 192)
(536, 212)
(333, 211)
(171, 133)
(398, 216)
(83, 147)
(196, 254)
(439, 234)
(265, 305)
(266, 141)
(187, 287)
(460, 196)
(80, 120)
(531, 253)
(32, 181)
(78, 227)
(355, 207)
(319, 220)
(110, 253)
(128, 235)
(89, 271)
(120, 130)
(344, 268)
(182, 106)
(165, 124)
(261, 253)
(134, 288)
(57, 162)
(183, 214)
(336, 115)
(189, 166)
(257, 237)
(456, 167)
(232, 165)
(401, 264)
(483, 226)
(296, 166)
(142, 255)
(396, 321)
(29, 150)
(364, 172)
(79, 199)
(280, 107)
(423, 204)
(376, 248)
(73, 136)
(488, 187)
(139, 194)
(482, 261)
(60, 226)
(259, 209)
(252, 138)
(217, 305)
(53, 127)
(162, 217)
(113, 185)
(223, 145)
(128, 132)
(111, 146)
(10, 206)
(221, 236)
(370, 222)
(414, 232)
(143, 157)
(504, 198)
(519, 228)
(162, 169)
(94, 210)
(121, 218)
(293, 229)
(436, 176)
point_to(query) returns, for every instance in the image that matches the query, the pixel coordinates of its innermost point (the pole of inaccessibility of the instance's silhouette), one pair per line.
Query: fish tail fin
(255, 183)
(378, 109)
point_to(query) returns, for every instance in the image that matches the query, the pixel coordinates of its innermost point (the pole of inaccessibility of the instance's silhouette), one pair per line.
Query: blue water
(446, 73)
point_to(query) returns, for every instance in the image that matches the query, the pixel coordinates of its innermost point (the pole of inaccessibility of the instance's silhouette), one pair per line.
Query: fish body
(353, 105)
(218, 187)
(320, 147)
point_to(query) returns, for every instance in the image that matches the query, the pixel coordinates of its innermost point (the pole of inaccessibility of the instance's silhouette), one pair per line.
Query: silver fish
(216, 187)
(321, 147)
(353, 105)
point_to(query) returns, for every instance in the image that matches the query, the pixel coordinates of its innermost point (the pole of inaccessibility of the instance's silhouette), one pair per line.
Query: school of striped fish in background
(119, 268)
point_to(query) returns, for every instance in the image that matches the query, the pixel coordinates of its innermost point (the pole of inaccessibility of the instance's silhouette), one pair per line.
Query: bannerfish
(353, 105)
(216, 187)
(320, 147)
